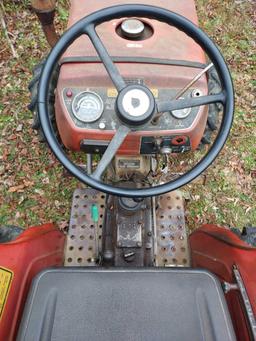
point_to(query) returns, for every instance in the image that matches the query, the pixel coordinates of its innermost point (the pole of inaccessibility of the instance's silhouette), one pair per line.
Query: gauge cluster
(87, 106)
(94, 108)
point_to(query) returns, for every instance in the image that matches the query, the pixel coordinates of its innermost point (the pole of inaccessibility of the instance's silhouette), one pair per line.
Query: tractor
(136, 91)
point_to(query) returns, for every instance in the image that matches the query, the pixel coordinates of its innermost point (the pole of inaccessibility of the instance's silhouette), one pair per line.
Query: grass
(32, 185)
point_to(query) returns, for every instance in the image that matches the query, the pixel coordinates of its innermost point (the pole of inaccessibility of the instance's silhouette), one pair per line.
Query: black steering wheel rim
(172, 19)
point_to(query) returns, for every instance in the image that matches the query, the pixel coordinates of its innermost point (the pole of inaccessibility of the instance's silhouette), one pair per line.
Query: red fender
(35, 249)
(218, 250)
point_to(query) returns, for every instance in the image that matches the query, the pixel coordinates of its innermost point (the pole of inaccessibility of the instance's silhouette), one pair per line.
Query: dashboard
(92, 108)
(88, 113)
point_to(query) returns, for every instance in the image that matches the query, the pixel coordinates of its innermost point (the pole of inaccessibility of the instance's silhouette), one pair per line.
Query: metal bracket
(246, 300)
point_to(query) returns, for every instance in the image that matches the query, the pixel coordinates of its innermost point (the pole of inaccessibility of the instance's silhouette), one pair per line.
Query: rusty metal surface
(84, 238)
(172, 242)
(84, 235)
(128, 236)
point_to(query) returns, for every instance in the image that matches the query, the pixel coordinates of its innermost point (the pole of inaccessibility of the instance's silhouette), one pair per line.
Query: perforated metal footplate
(84, 235)
(172, 242)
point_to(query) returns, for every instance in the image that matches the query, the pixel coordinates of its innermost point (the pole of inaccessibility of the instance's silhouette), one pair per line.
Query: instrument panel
(87, 120)
(94, 108)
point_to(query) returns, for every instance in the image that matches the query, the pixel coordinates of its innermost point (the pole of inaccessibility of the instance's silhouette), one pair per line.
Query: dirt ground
(33, 189)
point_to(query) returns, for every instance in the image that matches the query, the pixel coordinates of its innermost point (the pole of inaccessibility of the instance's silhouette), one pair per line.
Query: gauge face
(87, 106)
(181, 113)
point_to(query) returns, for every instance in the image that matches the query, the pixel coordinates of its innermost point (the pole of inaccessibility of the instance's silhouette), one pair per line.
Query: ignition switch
(165, 147)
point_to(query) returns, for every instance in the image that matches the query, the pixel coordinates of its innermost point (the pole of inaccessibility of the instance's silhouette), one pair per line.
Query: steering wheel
(129, 117)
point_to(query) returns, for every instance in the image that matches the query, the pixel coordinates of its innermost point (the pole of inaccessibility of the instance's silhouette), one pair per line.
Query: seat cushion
(125, 304)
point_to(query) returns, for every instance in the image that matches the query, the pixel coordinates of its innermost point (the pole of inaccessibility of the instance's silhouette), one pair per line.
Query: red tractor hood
(80, 73)
(168, 43)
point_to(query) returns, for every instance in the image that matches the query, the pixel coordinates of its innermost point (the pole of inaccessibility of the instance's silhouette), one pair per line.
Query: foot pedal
(83, 244)
(172, 241)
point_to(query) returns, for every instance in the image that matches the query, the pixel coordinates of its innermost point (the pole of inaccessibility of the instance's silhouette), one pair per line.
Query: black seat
(125, 304)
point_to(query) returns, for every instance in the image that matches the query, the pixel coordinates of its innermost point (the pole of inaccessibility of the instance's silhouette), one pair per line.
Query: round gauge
(181, 113)
(87, 106)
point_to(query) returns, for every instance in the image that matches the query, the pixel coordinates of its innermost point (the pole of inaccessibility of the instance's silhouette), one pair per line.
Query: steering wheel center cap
(136, 102)
(135, 105)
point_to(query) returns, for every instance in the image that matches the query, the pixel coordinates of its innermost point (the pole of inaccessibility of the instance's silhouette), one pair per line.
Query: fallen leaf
(22, 198)
(28, 183)
(63, 225)
(17, 215)
(45, 181)
(253, 173)
(39, 191)
(14, 189)
(12, 137)
(19, 128)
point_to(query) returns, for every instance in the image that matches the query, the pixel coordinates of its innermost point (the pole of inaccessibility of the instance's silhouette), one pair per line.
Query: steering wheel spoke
(108, 63)
(110, 152)
(190, 102)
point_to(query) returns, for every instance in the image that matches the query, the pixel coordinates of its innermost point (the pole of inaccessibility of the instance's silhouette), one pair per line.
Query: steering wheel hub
(135, 105)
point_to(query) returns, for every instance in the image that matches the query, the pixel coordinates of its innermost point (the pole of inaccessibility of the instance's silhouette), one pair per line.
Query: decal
(134, 45)
(6, 277)
(112, 93)
(155, 92)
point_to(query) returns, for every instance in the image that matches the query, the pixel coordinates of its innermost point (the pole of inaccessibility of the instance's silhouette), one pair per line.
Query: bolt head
(102, 125)
(148, 246)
